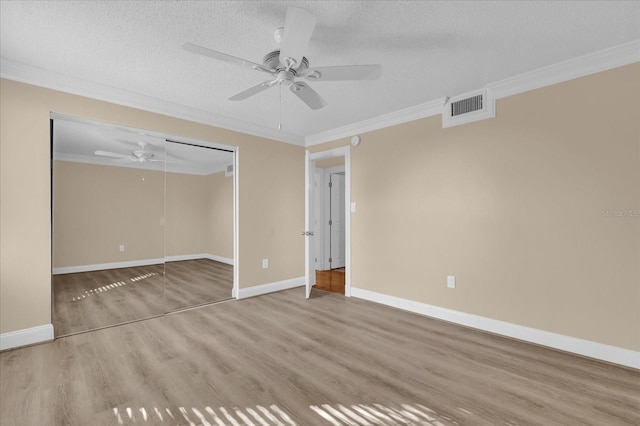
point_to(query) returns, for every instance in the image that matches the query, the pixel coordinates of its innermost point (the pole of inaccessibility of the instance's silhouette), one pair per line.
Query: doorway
(329, 227)
(328, 221)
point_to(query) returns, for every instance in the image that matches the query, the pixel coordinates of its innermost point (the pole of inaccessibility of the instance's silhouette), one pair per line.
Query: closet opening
(143, 224)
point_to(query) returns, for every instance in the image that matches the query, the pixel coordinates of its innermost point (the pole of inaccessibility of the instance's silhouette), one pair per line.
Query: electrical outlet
(451, 281)
(121, 247)
(265, 263)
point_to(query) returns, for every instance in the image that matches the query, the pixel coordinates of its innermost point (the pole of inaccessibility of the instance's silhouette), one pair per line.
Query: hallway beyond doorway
(331, 280)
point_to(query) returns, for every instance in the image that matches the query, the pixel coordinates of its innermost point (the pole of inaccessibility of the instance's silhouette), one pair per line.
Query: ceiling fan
(288, 63)
(141, 155)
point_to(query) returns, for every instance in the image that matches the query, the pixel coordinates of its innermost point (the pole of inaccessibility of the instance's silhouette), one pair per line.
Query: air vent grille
(464, 106)
(468, 107)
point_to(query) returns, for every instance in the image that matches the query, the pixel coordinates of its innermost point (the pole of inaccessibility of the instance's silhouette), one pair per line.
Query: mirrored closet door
(141, 226)
(199, 225)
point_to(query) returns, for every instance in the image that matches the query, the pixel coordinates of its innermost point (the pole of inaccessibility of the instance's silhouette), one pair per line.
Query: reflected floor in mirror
(280, 359)
(89, 300)
(195, 282)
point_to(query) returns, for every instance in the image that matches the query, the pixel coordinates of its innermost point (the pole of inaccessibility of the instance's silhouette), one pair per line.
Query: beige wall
(329, 162)
(96, 208)
(271, 196)
(219, 223)
(199, 210)
(513, 207)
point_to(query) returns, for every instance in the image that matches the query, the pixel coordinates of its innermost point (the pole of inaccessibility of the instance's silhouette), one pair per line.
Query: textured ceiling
(428, 50)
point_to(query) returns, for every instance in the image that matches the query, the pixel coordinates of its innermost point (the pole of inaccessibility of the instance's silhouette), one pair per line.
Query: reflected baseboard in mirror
(88, 300)
(196, 282)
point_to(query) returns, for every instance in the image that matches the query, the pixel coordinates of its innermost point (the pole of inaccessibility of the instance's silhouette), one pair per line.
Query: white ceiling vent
(468, 107)
(229, 170)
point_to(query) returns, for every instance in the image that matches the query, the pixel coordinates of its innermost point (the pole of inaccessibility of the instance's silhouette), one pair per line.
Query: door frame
(345, 152)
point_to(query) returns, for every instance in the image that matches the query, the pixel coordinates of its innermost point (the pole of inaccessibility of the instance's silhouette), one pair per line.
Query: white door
(337, 225)
(309, 224)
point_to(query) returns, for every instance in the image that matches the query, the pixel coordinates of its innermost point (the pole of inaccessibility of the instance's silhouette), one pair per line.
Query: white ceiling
(428, 50)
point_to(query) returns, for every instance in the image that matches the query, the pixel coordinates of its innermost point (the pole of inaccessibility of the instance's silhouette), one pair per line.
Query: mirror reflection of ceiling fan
(142, 155)
(288, 63)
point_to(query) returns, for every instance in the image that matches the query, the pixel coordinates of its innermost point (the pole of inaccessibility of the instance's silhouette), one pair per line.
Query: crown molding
(24, 73)
(415, 112)
(581, 66)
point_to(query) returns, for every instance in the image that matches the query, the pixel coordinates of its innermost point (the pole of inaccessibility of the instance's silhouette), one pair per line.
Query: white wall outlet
(121, 247)
(265, 263)
(353, 207)
(451, 281)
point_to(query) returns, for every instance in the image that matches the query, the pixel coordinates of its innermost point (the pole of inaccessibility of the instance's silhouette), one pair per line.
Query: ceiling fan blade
(254, 90)
(225, 58)
(111, 154)
(307, 95)
(298, 27)
(348, 72)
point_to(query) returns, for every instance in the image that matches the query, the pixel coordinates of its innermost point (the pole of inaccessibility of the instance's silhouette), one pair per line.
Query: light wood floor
(279, 359)
(194, 282)
(90, 300)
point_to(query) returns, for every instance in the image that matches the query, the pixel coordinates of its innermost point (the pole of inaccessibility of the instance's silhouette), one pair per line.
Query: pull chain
(280, 107)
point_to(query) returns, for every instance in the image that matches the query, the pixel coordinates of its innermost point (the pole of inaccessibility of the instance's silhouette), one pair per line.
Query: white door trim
(235, 292)
(345, 152)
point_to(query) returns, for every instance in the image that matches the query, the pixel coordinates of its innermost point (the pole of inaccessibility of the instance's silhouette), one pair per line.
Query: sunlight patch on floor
(332, 414)
(107, 287)
(379, 414)
(207, 416)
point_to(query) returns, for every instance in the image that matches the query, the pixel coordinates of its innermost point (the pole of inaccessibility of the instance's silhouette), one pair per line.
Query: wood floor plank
(279, 359)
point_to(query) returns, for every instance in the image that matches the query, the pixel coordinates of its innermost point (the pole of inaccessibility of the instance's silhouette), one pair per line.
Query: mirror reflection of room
(124, 203)
(108, 234)
(199, 226)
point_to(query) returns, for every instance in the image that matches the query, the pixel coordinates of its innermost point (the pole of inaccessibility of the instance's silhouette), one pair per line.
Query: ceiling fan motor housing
(272, 60)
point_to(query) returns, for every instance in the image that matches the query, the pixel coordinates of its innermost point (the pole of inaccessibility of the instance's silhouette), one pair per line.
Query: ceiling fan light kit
(288, 63)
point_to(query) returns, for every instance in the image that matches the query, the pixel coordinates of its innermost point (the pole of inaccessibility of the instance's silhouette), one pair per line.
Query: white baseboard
(220, 259)
(134, 263)
(258, 290)
(103, 266)
(28, 336)
(209, 256)
(181, 257)
(583, 347)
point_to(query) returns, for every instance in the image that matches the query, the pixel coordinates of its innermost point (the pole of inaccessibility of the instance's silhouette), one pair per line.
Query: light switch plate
(451, 281)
